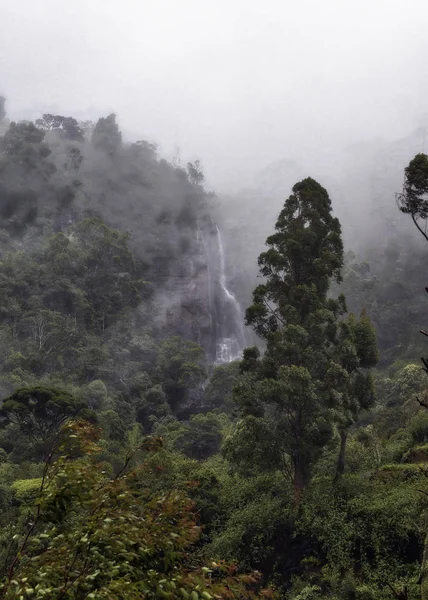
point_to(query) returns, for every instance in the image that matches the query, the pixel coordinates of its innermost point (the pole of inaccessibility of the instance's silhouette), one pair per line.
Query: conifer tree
(290, 398)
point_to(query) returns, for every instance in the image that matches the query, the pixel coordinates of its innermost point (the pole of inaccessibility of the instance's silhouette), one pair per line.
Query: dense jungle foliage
(130, 466)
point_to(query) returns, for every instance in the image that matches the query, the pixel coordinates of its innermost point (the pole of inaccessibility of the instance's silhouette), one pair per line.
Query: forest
(159, 441)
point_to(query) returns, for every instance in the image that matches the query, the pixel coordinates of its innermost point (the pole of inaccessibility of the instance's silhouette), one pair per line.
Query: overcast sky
(238, 83)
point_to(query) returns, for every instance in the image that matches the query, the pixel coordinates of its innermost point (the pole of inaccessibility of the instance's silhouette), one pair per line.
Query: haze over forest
(213, 300)
(237, 84)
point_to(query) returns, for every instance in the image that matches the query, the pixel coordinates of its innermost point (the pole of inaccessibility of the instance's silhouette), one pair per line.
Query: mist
(237, 84)
(263, 94)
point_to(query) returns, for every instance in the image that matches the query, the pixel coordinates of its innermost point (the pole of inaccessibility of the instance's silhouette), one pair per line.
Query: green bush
(26, 490)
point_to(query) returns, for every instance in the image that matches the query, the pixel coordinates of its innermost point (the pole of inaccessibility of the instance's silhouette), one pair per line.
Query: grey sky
(238, 83)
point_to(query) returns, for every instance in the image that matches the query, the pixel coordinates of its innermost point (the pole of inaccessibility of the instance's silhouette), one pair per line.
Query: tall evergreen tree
(288, 397)
(413, 200)
(304, 253)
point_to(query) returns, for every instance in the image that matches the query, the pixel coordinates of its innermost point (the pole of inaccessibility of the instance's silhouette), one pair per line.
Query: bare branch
(417, 225)
(403, 595)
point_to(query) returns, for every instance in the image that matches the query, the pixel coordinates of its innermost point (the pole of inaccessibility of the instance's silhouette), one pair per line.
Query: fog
(237, 83)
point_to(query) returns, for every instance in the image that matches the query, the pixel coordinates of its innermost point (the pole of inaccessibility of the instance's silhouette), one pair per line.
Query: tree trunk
(299, 482)
(340, 469)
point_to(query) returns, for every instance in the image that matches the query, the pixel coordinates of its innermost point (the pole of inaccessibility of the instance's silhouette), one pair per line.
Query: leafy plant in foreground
(93, 537)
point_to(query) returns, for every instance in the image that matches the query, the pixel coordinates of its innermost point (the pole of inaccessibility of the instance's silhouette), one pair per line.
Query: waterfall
(231, 340)
(229, 295)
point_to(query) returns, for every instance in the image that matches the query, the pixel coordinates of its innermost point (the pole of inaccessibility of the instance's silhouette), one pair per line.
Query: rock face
(194, 298)
(194, 301)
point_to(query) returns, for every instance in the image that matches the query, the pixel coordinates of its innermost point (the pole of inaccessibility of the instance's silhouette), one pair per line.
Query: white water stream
(231, 343)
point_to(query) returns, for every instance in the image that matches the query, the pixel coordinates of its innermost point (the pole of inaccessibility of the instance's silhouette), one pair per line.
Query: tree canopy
(40, 411)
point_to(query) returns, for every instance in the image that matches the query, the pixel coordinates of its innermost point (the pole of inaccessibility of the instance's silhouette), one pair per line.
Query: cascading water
(231, 340)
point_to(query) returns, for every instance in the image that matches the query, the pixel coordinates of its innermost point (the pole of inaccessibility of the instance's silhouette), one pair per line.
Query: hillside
(159, 440)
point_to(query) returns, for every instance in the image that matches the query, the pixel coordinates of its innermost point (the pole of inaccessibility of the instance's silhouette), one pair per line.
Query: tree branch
(403, 595)
(420, 229)
(23, 546)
